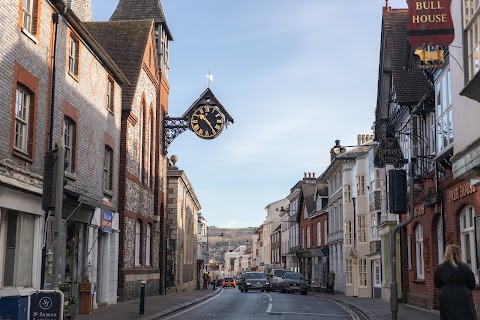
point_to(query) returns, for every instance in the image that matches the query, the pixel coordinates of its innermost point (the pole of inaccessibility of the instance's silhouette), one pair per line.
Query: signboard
(106, 221)
(262, 264)
(429, 23)
(388, 152)
(45, 305)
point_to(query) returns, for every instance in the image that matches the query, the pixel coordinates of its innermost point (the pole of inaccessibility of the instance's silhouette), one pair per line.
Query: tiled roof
(125, 42)
(308, 191)
(410, 85)
(141, 10)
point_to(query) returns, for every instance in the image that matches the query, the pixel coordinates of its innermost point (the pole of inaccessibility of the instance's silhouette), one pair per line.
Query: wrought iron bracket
(172, 128)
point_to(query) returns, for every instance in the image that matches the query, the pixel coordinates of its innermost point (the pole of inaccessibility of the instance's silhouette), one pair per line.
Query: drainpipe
(56, 18)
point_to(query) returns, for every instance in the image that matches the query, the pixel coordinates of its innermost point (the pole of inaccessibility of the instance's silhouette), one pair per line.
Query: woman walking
(455, 281)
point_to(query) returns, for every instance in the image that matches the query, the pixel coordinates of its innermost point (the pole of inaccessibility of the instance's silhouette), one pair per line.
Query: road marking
(191, 308)
(313, 314)
(270, 302)
(354, 316)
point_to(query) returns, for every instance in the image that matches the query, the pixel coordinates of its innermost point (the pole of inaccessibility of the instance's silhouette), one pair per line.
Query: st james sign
(429, 23)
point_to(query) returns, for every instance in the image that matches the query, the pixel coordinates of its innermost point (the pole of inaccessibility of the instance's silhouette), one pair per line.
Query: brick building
(142, 181)
(81, 105)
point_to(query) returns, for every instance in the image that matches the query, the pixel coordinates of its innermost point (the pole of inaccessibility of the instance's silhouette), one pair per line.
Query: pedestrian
(331, 282)
(455, 280)
(205, 280)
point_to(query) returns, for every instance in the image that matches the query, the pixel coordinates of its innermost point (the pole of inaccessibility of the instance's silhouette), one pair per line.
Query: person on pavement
(205, 280)
(455, 280)
(331, 282)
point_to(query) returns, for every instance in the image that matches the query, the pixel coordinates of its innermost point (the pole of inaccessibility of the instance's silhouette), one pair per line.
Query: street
(232, 304)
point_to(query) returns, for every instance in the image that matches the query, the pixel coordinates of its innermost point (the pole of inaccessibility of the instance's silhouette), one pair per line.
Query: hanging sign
(429, 23)
(106, 221)
(388, 152)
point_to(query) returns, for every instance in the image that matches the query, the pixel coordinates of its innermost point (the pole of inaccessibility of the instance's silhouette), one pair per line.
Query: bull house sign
(430, 23)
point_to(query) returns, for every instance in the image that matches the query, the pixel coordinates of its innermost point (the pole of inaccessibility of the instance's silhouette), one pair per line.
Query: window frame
(444, 112)
(419, 262)
(110, 94)
(319, 234)
(467, 238)
(148, 240)
(23, 120)
(360, 185)
(27, 13)
(348, 232)
(362, 228)
(348, 272)
(69, 133)
(377, 274)
(362, 273)
(138, 238)
(108, 169)
(73, 61)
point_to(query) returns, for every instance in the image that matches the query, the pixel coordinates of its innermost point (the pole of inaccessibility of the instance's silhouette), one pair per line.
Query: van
(275, 278)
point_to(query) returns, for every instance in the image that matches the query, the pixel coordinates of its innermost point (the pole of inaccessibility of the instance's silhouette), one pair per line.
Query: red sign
(429, 23)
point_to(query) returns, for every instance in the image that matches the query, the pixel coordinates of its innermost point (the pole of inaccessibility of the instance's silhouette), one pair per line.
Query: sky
(295, 75)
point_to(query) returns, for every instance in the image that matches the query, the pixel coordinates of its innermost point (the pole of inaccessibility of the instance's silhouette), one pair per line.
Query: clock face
(207, 122)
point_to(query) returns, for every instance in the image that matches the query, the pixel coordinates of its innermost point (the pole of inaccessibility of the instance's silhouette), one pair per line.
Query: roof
(141, 10)
(410, 85)
(350, 154)
(308, 191)
(113, 36)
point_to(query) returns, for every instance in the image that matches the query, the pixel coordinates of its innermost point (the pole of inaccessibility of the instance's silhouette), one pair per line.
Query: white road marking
(270, 302)
(191, 308)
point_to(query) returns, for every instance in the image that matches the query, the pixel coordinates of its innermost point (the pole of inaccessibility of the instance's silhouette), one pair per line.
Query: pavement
(159, 306)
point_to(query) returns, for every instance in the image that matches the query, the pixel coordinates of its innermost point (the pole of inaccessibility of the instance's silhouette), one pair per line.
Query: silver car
(294, 282)
(275, 278)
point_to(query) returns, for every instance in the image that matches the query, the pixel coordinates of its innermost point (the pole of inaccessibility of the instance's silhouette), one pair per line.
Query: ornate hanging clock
(207, 121)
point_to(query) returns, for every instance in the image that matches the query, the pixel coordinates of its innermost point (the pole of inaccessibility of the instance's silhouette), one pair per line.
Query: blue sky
(295, 75)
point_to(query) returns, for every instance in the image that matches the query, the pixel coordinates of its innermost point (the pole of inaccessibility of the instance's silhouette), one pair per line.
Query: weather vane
(210, 79)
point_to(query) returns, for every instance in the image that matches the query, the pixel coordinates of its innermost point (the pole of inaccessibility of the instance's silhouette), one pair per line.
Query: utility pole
(58, 228)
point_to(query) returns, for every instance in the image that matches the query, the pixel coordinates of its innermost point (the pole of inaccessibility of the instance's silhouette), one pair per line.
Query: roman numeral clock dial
(207, 122)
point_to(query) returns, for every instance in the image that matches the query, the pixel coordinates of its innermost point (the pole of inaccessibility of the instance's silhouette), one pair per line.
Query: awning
(81, 208)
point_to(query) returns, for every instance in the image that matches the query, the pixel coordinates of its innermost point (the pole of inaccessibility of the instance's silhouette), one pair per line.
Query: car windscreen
(228, 279)
(254, 275)
(290, 275)
(279, 273)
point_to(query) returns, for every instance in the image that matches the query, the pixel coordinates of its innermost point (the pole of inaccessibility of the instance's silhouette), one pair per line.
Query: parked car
(228, 282)
(294, 282)
(255, 281)
(274, 276)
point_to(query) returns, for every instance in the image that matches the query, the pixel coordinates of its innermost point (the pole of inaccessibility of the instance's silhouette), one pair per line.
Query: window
(27, 15)
(348, 271)
(110, 94)
(73, 55)
(471, 24)
(348, 232)
(441, 249)
(147, 245)
(107, 169)
(347, 193)
(137, 242)
(325, 231)
(419, 251)
(467, 237)
(22, 110)
(362, 272)
(17, 231)
(362, 229)
(374, 180)
(377, 273)
(140, 149)
(68, 136)
(150, 154)
(444, 111)
(303, 238)
(319, 234)
(360, 185)
(308, 236)
(374, 225)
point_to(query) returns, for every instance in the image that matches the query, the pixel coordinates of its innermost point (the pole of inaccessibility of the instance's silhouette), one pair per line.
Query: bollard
(142, 297)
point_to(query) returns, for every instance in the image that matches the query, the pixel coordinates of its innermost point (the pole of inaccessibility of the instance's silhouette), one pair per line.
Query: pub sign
(429, 23)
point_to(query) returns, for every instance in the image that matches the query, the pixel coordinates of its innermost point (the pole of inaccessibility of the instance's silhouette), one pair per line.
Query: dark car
(219, 281)
(293, 282)
(255, 281)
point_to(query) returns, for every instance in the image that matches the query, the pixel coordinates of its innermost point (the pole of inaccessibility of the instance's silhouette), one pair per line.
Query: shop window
(467, 237)
(17, 232)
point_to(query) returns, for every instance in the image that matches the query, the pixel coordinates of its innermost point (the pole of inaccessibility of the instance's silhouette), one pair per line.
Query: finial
(210, 79)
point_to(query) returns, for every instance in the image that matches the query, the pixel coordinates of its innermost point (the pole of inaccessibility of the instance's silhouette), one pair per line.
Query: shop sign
(388, 152)
(429, 23)
(45, 305)
(106, 221)
(418, 211)
(460, 192)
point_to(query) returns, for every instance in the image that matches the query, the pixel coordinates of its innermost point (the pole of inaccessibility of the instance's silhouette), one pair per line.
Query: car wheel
(262, 290)
(233, 287)
(241, 290)
(246, 290)
(268, 290)
(283, 290)
(304, 293)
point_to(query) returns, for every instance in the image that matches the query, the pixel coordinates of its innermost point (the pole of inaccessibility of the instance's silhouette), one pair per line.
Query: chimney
(336, 150)
(82, 9)
(386, 8)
